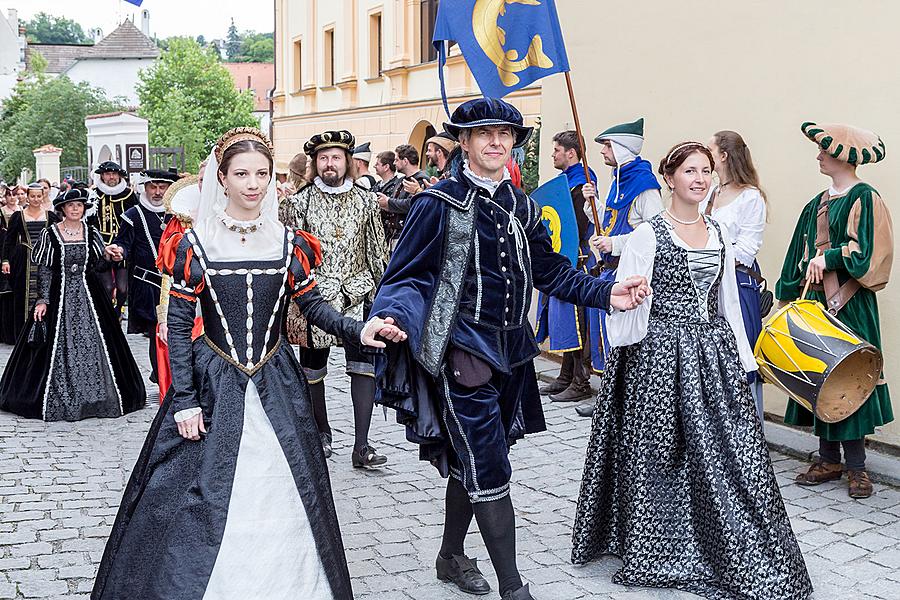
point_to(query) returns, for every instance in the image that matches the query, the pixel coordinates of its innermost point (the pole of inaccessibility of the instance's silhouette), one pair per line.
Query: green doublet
(860, 238)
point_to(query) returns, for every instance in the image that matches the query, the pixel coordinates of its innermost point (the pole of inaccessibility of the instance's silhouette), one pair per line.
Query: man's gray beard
(332, 179)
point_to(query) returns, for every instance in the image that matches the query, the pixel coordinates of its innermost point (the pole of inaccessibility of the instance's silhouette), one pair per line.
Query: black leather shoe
(522, 593)
(463, 571)
(326, 445)
(573, 393)
(586, 409)
(367, 458)
(554, 387)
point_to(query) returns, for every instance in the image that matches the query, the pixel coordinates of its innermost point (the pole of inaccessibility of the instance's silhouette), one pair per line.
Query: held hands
(39, 311)
(114, 253)
(191, 429)
(383, 327)
(630, 293)
(815, 271)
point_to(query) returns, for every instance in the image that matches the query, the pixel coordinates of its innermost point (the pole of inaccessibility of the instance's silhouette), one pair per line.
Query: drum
(817, 360)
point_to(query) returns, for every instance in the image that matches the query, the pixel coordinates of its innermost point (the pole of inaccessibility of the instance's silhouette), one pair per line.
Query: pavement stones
(60, 485)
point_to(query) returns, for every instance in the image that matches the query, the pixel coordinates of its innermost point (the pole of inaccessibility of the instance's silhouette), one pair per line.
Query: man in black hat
(345, 218)
(111, 198)
(137, 241)
(460, 283)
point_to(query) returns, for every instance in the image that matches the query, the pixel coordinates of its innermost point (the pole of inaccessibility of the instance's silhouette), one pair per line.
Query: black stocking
(457, 518)
(497, 522)
(362, 393)
(320, 412)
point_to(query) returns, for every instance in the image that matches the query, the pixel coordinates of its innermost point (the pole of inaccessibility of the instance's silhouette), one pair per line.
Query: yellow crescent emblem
(492, 39)
(549, 214)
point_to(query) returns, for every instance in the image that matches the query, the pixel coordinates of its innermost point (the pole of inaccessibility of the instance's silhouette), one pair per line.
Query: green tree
(190, 99)
(257, 49)
(48, 29)
(43, 111)
(233, 43)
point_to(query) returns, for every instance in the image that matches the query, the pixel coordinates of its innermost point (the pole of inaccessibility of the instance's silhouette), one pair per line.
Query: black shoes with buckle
(463, 571)
(367, 458)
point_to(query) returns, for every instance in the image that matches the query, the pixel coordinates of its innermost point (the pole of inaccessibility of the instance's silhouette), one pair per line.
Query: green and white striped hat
(844, 142)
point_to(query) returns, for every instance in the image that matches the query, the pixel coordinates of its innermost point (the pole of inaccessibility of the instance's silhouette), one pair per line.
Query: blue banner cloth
(135, 2)
(559, 216)
(507, 44)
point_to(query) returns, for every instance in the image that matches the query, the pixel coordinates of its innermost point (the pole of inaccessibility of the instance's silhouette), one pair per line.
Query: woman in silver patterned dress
(678, 482)
(84, 368)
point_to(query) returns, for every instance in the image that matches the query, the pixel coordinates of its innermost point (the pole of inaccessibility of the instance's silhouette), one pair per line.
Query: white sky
(210, 18)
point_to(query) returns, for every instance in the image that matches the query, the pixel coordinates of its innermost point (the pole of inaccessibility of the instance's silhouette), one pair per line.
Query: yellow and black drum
(817, 360)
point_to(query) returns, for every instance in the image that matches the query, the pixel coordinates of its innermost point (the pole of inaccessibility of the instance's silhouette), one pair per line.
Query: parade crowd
(245, 276)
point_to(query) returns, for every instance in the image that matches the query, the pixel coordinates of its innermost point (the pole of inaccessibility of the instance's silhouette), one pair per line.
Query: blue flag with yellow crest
(558, 215)
(507, 43)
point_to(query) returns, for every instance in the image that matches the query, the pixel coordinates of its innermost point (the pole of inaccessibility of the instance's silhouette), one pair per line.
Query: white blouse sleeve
(630, 327)
(730, 307)
(751, 226)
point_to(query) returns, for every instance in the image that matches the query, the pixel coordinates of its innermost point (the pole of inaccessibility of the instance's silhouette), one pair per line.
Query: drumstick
(806, 287)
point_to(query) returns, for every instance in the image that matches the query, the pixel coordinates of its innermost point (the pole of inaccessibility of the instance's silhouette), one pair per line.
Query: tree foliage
(531, 168)
(257, 48)
(190, 100)
(49, 29)
(233, 43)
(44, 110)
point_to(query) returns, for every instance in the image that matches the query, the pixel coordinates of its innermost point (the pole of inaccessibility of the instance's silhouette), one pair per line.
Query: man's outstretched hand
(384, 328)
(628, 294)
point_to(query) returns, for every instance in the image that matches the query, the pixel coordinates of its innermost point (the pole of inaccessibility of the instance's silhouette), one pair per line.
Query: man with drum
(843, 244)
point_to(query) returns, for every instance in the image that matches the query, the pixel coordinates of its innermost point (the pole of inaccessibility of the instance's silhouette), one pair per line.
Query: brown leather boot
(820, 472)
(573, 393)
(860, 484)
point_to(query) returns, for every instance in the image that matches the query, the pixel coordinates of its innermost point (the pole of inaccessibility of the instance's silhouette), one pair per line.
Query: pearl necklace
(676, 219)
(71, 233)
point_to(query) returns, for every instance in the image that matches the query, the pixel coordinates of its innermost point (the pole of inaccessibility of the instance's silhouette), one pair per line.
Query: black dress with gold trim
(247, 511)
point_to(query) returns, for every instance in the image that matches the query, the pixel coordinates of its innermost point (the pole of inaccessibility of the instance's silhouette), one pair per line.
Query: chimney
(145, 22)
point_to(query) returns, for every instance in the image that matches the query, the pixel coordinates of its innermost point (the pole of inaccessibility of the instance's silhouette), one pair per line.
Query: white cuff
(184, 415)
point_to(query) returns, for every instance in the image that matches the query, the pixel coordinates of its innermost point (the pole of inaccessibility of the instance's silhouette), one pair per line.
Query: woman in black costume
(22, 234)
(84, 368)
(10, 206)
(230, 497)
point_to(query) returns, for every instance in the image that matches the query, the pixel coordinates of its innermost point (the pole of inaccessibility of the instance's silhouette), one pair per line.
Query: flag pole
(584, 161)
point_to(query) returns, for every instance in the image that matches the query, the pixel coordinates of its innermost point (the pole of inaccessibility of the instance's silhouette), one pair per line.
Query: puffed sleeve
(187, 282)
(638, 257)
(43, 256)
(793, 271)
(376, 246)
(869, 253)
(751, 227)
(730, 307)
(307, 255)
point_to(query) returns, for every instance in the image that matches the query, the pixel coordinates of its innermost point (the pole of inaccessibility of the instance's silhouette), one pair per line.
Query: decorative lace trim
(341, 189)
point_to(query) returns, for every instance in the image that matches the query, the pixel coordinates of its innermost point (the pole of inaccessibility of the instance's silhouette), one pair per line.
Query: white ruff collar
(145, 202)
(327, 189)
(114, 190)
(485, 183)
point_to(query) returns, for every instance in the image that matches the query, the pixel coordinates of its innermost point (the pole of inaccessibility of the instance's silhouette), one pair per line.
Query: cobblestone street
(60, 485)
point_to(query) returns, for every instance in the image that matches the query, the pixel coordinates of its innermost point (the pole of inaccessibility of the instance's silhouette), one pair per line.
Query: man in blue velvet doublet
(460, 283)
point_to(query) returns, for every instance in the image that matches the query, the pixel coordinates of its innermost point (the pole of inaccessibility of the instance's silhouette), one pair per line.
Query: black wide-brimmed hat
(488, 112)
(76, 194)
(329, 139)
(166, 176)
(110, 167)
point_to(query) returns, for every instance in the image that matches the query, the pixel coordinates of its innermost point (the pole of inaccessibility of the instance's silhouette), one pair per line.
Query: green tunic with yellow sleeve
(862, 248)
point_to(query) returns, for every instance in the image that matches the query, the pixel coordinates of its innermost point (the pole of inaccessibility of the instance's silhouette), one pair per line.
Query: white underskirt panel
(268, 550)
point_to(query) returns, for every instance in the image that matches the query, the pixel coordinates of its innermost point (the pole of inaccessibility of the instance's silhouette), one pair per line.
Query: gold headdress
(181, 212)
(241, 134)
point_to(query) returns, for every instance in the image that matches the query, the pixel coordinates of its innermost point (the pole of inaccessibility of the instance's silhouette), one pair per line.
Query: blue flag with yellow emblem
(507, 43)
(558, 215)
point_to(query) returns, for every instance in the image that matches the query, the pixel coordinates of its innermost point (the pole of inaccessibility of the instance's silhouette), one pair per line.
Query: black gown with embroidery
(7, 333)
(85, 368)
(678, 482)
(247, 511)
(21, 236)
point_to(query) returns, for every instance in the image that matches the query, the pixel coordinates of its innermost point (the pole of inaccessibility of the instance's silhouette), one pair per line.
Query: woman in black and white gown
(230, 498)
(677, 481)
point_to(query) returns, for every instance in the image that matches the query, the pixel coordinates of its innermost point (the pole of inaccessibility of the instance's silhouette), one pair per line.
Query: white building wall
(12, 53)
(118, 76)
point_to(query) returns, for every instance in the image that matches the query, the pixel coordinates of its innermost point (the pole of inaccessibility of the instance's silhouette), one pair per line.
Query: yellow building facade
(366, 66)
(760, 68)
